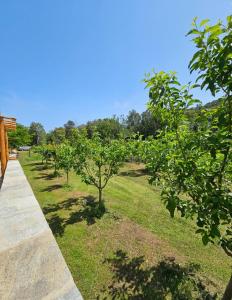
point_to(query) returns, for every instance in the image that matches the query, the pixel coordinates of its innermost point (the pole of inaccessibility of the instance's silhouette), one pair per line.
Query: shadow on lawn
(51, 188)
(41, 167)
(134, 173)
(32, 164)
(166, 280)
(89, 211)
(45, 176)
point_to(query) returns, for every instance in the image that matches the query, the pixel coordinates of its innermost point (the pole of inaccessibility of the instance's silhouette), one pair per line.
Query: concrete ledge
(31, 264)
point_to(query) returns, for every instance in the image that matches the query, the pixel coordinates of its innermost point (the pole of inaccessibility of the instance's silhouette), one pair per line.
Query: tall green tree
(69, 126)
(149, 124)
(38, 133)
(56, 136)
(44, 151)
(19, 137)
(195, 167)
(144, 124)
(107, 128)
(133, 121)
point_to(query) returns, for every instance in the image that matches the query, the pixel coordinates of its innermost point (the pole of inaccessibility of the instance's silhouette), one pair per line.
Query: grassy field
(125, 248)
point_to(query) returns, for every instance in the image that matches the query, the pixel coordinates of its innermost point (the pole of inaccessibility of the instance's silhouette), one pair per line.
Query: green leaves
(193, 31)
(212, 61)
(19, 137)
(65, 156)
(168, 99)
(193, 161)
(97, 160)
(203, 22)
(194, 58)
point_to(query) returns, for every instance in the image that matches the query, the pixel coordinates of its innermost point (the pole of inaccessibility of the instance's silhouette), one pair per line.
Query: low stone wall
(31, 264)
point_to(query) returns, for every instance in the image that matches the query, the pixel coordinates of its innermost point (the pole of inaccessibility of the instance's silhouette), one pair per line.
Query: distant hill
(212, 103)
(191, 112)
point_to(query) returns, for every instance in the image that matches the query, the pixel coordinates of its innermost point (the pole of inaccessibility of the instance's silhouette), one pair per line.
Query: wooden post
(2, 146)
(6, 143)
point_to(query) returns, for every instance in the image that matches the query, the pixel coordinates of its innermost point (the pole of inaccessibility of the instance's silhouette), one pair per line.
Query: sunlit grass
(136, 222)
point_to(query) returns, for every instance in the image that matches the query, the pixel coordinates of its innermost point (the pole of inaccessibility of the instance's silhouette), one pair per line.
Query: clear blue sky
(85, 59)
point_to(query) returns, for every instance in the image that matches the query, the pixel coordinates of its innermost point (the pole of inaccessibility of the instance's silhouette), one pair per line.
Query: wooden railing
(6, 124)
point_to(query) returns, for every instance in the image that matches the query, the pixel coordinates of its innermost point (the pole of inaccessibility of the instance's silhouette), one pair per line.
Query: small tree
(53, 153)
(44, 152)
(197, 163)
(96, 161)
(65, 159)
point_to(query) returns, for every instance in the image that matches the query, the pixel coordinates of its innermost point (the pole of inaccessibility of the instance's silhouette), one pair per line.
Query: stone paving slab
(31, 264)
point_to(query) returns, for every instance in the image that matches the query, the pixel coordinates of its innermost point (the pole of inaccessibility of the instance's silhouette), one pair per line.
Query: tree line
(144, 124)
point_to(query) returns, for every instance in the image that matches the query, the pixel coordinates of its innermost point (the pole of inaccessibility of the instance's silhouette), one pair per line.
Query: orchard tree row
(94, 160)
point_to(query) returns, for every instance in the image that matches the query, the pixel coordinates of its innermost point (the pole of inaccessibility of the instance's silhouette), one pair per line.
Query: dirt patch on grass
(128, 236)
(147, 243)
(133, 170)
(134, 166)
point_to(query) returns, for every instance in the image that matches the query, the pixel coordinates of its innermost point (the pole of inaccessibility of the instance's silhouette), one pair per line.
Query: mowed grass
(136, 222)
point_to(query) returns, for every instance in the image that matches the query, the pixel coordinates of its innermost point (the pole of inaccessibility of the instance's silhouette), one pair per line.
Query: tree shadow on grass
(41, 167)
(166, 280)
(48, 176)
(51, 188)
(134, 173)
(88, 211)
(56, 224)
(32, 164)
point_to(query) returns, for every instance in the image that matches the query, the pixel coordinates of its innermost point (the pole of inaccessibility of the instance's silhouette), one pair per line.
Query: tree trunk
(100, 187)
(67, 177)
(100, 196)
(228, 291)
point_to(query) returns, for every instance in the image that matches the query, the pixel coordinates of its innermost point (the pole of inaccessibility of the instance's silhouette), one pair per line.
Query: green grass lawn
(136, 224)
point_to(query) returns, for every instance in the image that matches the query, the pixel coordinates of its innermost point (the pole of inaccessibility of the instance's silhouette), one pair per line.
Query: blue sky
(85, 59)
